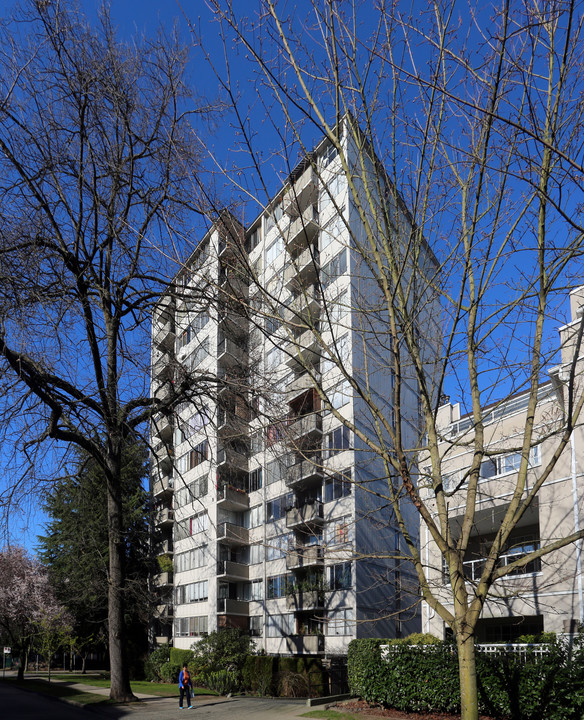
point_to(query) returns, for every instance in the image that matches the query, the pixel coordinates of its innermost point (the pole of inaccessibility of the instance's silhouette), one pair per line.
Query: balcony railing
(232, 498)
(308, 514)
(230, 569)
(227, 606)
(164, 516)
(305, 644)
(307, 425)
(302, 230)
(302, 271)
(473, 569)
(302, 193)
(304, 471)
(303, 557)
(305, 600)
(231, 534)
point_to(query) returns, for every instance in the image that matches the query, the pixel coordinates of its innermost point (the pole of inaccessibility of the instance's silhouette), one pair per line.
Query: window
(331, 232)
(255, 625)
(192, 491)
(256, 446)
(192, 559)
(273, 358)
(276, 509)
(254, 517)
(191, 526)
(255, 477)
(197, 357)
(340, 576)
(340, 622)
(191, 626)
(334, 269)
(333, 187)
(193, 457)
(277, 546)
(340, 395)
(256, 554)
(339, 307)
(336, 441)
(275, 471)
(193, 592)
(278, 586)
(339, 531)
(280, 625)
(187, 428)
(337, 486)
(254, 239)
(328, 156)
(503, 464)
(274, 217)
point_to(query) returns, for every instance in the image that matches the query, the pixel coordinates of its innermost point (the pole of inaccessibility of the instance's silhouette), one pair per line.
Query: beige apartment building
(266, 514)
(547, 594)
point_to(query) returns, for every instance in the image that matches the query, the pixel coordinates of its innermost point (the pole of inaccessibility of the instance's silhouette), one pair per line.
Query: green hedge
(414, 680)
(180, 656)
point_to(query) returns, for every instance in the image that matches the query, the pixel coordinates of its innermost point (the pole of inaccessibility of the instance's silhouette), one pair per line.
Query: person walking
(185, 687)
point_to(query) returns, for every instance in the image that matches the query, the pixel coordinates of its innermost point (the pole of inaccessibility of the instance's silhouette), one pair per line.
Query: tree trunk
(469, 705)
(120, 690)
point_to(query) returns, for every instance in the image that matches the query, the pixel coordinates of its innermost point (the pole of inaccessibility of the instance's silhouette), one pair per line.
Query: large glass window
(340, 622)
(279, 585)
(340, 576)
(336, 441)
(337, 486)
(280, 625)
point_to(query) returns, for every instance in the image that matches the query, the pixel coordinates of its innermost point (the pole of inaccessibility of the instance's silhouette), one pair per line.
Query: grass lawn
(63, 688)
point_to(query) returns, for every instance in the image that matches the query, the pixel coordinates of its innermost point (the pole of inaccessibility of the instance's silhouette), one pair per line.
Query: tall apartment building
(266, 504)
(547, 594)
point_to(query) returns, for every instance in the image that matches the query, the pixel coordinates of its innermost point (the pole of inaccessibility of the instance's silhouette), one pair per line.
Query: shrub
(222, 681)
(154, 662)
(292, 684)
(426, 680)
(225, 649)
(169, 672)
(180, 656)
(258, 674)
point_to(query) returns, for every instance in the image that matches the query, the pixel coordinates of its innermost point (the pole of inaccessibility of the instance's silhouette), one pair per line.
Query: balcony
(306, 427)
(164, 517)
(228, 456)
(301, 384)
(302, 231)
(163, 639)
(305, 644)
(162, 426)
(231, 534)
(164, 547)
(306, 304)
(229, 353)
(302, 193)
(232, 498)
(305, 472)
(164, 335)
(163, 486)
(163, 579)
(306, 515)
(229, 570)
(305, 557)
(306, 600)
(305, 349)
(227, 606)
(302, 271)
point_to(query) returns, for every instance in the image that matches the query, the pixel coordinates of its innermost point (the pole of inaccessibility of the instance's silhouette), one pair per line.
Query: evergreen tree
(75, 547)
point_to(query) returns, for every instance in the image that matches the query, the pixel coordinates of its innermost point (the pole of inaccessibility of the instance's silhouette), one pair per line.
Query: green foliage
(544, 637)
(417, 639)
(222, 681)
(258, 674)
(169, 672)
(412, 679)
(75, 549)
(180, 657)
(225, 649)
(154, 662)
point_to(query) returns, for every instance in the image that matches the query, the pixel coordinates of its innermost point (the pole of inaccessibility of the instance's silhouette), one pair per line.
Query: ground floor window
(191, 626)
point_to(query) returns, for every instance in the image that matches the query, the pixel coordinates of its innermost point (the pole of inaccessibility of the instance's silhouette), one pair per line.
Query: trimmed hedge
(180, 656)
(414, 680)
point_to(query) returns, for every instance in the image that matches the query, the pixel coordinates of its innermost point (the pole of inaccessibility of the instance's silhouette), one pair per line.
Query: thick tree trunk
(469, 705)
(120, 678)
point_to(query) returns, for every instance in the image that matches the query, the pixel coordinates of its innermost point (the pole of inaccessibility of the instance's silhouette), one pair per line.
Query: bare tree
(478, 126)
(97, 164)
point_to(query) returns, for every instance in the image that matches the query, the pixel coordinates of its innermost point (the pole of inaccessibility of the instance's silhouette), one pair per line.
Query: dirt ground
(368, 710)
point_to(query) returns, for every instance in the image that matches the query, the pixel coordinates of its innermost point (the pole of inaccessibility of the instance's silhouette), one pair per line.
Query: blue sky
(145, 16)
